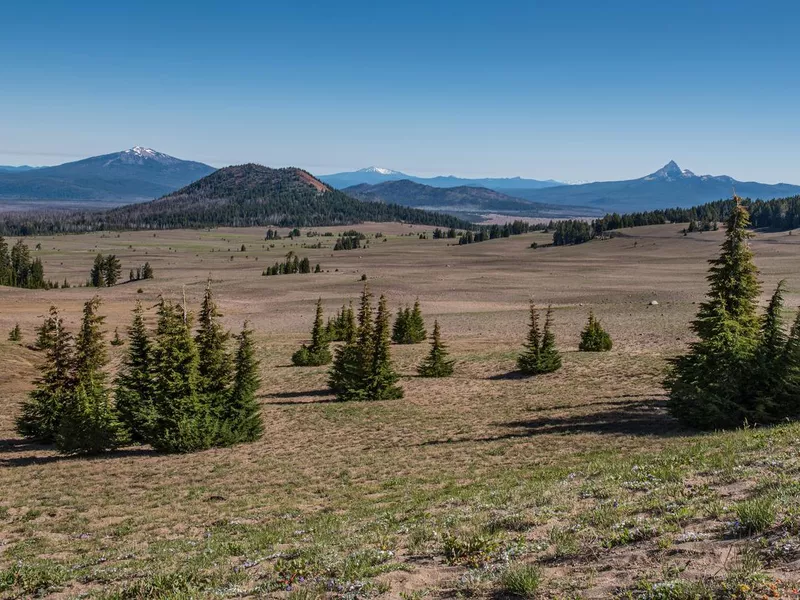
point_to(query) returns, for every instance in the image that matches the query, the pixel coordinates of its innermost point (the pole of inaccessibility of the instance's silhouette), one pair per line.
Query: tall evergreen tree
(214, 361)
(790, 397)
(707, 387)
(242, 415)
(382, 378)
(417, 324)
(41, 413)
(540, 354)
(5, 263)
(111, 270)
(352, 364)
(182, 422)
(134, 385)
(89, 423)
(318, 353)
(550, 356)
(437, 363)
(96, 275)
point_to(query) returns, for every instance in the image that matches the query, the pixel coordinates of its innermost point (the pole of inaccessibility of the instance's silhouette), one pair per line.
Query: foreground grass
(469, 513)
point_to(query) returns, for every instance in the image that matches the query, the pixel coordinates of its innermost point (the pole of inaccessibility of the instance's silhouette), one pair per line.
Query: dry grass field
(570, 485)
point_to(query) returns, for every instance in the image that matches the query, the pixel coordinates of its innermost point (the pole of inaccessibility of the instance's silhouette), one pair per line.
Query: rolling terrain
(581, 473)
(377, 175)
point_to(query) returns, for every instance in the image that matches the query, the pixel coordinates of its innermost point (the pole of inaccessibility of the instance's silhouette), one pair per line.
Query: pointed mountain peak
(669, 172)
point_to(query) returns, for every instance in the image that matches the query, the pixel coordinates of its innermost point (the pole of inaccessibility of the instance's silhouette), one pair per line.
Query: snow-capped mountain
(380, 171)
(136, 174)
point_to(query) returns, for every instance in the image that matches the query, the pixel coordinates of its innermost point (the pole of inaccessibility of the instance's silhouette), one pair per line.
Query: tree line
(292, 265)
(178, 390)
(18, 269)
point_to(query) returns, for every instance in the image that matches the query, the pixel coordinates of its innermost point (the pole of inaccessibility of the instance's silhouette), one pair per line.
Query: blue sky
(567, 90)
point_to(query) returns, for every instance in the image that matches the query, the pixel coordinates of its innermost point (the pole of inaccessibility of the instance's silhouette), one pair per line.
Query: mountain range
(668, 187)
(376, 175)
(128, 176)
(462, 199)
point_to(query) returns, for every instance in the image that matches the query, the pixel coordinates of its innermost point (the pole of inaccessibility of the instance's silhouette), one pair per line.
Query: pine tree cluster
(176, 391)
(143, 272)
(593, 337)
(342, 326)
(409, 326)
(540, 355)
(362, 368)
(105, 271)
(743, 368)
(318, 352)
(18, 269)
(292, 265)
(349, 240)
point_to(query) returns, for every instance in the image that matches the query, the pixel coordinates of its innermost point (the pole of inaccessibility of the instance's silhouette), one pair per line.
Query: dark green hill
(237, 196)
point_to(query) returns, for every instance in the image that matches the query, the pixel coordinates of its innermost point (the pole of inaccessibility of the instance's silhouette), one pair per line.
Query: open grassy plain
(570, 485)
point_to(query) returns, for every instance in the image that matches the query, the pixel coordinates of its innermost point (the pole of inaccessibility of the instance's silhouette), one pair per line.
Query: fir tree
(15, 335)
(242, 416)
(707, 387)
(400, 330)
(96, 278)
(214, 361)
(550, 358)
(111, 270)
(352, 362)
(89, 423)
(381, 378)
(318, 353)
(790, 398)
(528, 361)
(593, 337)
(436, 364)
(41, 413)
(134, 385)
(417, 324)
(147, 271)
(116, 340)
(182, 421)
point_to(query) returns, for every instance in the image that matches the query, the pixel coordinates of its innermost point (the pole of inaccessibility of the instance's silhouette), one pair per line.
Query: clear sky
(566, 90)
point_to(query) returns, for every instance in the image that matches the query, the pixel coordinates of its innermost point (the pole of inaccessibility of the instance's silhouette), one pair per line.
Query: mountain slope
(376, 175)
(460, 199)
(131, 175)
(668, 187)
(238, 196)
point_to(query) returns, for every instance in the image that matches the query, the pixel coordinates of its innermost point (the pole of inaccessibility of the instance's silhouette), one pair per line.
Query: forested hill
(237, 196)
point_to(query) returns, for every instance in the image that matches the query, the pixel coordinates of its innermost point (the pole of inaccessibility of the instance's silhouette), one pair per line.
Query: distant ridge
(131, 175)
(465, 199)
(375, 175)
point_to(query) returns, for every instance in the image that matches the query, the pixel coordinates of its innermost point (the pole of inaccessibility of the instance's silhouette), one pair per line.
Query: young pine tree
(15, 335)
(416, 324)
(134, 386)
(96, 278)
(550, 356)
(41, 413)
(241, 418)
(182, 420)
(528, 361)
(318, 353)
(89, 423)
(790, 397)
(116, 340)
(437, 363)
(382, 378)
(353, 361)
(707, 387)
(214, 366)
(400, 330)
(593, 337)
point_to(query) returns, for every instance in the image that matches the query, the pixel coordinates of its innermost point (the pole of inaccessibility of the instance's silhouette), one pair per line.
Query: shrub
(593, 337)
(521, 580)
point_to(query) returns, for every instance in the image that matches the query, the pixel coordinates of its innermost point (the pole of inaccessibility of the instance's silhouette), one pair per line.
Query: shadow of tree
(647, 417)
(27, 460)
(321, 393)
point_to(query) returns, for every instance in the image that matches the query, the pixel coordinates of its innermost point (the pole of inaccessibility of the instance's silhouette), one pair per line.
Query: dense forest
(239, 196)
